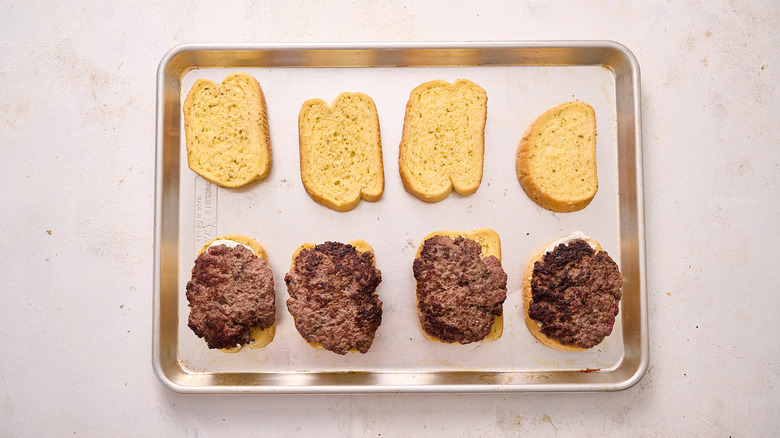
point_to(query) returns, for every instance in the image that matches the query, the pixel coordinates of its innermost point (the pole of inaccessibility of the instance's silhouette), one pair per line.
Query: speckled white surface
(77, 175)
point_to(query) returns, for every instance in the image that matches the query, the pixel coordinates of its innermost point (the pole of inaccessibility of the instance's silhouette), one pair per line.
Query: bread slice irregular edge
(527, 178)
(533, 326)
(361, 246)
(373, 190)
(256, 110)
(410, 183)
(261, 337)
(491, 246)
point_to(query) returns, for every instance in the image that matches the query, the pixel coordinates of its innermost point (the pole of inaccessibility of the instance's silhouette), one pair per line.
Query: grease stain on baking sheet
(546, 419)
(493, 379)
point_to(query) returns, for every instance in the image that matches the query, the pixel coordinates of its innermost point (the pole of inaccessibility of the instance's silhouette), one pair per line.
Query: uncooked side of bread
(262, 337)
(226, 129)
(556, 159)
(533, 326)
(443, 140)
(359, 244)
(341, 151)
(490, 242)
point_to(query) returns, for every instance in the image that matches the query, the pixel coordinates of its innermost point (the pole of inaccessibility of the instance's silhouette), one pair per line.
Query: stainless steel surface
(522, 79)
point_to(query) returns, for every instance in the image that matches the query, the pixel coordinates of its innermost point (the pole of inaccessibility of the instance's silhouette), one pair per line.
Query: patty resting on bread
(230, 294)
(575, 295)
(333, 298)
(459, 294)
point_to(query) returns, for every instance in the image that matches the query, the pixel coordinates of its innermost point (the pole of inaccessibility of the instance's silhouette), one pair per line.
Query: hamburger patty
(231, 292)
(575, 294)
(459, 294)
(333, 297)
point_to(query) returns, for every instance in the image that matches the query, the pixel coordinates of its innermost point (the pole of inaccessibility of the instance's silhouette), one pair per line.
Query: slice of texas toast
(341, 151)
(556, 159)
(443, 141)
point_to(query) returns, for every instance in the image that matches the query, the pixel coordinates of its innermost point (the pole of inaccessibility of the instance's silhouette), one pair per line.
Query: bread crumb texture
(442, 145)
(556, 159)
(226, 130)
(341, 151)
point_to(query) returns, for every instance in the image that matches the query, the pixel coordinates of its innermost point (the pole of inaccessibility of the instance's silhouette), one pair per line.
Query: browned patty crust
(333, 298)
(459, 294)
(575, 294)
(231, 292)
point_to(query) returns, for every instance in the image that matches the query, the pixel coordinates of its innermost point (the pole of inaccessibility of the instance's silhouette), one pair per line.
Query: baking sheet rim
(157, 355)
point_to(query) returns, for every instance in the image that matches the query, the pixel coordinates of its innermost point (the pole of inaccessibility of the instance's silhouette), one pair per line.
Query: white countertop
(77, 131)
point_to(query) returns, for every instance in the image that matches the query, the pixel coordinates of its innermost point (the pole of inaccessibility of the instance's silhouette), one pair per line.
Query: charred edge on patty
(575, 294)
(230, 293)
(333, 299)
(459, 294)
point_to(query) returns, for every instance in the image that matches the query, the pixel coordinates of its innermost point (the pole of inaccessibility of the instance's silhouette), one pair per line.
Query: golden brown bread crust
(226, 130)
(556, 158)
(340, 151)
(443, 139)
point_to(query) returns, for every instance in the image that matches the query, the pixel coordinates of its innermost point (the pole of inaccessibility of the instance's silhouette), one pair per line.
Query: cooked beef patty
(459, 294)
(333, 297)
(231, 292)
(575, 294)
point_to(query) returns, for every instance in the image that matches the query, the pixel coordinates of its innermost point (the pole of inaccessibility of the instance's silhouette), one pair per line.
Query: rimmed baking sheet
(522, 80)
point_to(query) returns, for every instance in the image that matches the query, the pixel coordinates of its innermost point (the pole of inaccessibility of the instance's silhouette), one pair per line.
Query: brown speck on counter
(48, 232)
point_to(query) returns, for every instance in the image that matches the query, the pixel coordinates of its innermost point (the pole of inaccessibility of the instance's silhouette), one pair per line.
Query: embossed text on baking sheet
(205, 212)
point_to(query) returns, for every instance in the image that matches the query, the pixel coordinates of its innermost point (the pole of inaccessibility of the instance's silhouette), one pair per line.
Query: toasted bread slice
(341, 151)
(226, 130)
(490, 242)
(261, 337)
(556, 159)
(443, 140)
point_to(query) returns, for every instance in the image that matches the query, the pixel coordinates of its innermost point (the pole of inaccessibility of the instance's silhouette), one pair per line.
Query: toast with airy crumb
(341, 151)
(226, 130)
(443, 140)
(556, 158)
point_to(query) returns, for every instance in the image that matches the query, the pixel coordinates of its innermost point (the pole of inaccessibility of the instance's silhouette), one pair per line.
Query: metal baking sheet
(522, 80)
